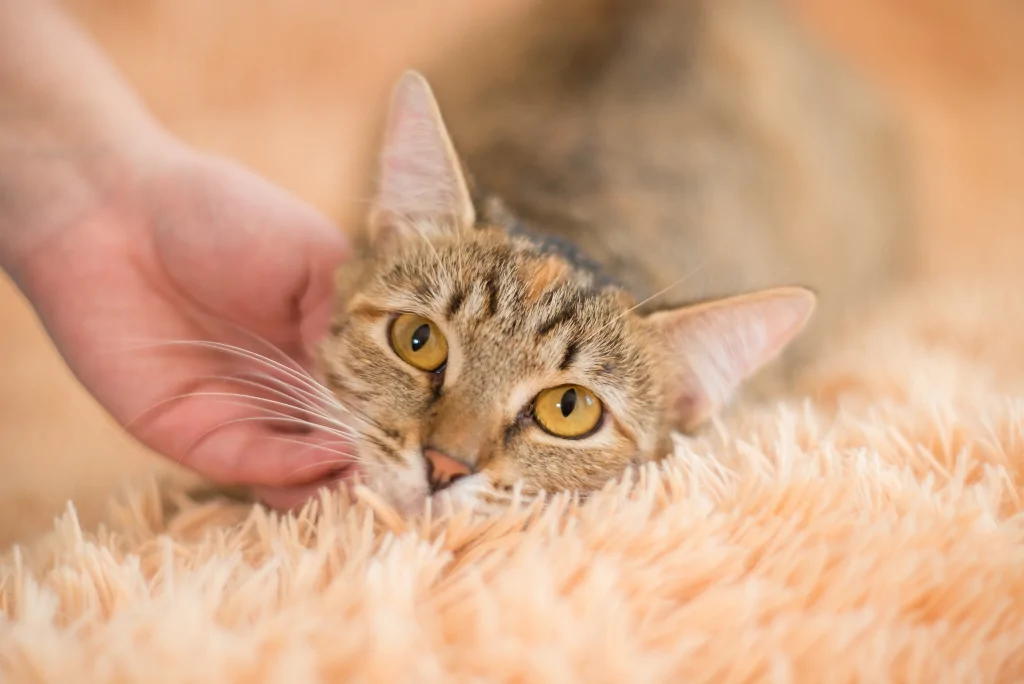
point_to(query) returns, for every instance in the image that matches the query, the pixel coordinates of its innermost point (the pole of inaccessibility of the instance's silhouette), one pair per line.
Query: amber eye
(568, 411)
(419, 342)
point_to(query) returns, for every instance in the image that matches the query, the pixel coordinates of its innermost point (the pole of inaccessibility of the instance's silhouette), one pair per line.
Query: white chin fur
(465, 494)
(407, 491)
(462, 496)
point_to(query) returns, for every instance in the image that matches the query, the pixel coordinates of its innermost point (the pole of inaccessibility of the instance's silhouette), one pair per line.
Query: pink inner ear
(757, 331)
(719, 345)
(419, 172)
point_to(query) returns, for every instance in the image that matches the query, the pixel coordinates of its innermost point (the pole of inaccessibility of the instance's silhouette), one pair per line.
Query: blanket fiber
(866, 529)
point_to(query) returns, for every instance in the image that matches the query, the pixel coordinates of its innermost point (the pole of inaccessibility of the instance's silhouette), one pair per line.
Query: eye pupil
(568, 403)
(420, 337)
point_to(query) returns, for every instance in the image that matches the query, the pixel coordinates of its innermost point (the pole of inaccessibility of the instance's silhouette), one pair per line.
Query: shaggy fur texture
(868, 531)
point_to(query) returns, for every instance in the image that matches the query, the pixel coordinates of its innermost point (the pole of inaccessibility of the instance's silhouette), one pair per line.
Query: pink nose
(442, 469)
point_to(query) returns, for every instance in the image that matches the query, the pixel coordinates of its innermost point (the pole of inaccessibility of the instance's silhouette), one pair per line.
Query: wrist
(53, 181)
(73, 134)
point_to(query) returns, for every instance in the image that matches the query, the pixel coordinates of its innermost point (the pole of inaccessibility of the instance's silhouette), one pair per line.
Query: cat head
(469, 358)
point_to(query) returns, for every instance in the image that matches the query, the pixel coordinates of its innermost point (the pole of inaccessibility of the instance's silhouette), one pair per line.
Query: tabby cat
(476, 355)
(530, 337)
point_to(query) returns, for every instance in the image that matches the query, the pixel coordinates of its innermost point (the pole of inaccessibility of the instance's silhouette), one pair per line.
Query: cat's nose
(443, 470)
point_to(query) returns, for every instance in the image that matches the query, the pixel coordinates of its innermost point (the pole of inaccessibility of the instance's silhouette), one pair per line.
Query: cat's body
(679, 146)
(710, 140)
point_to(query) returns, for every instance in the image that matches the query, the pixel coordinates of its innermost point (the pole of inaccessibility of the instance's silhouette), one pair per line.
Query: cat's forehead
(517, 318)
(490, 286)
(504, 276)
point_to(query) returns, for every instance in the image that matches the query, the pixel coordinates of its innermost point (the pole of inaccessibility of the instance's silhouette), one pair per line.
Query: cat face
(469, 359)
(476, 360)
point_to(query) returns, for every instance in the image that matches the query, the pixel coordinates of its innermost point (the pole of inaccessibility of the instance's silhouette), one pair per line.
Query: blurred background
(295, 92)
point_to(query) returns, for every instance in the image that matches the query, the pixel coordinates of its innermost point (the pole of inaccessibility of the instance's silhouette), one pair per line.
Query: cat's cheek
(403, 485)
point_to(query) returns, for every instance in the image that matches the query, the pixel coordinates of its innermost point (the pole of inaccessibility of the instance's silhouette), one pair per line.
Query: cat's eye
(568, 411)
(419, 342)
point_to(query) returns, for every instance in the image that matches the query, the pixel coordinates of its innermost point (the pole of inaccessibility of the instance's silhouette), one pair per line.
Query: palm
(213, 254)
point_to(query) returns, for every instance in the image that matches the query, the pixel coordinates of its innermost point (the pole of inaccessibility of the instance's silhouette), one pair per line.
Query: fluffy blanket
(867, 528)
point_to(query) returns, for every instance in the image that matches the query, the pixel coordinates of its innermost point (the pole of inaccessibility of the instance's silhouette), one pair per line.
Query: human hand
(134, 248)
(172, 247)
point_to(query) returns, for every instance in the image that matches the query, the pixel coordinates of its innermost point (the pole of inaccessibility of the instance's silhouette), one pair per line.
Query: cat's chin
(437, 504)
(462, 497)
(469, 495)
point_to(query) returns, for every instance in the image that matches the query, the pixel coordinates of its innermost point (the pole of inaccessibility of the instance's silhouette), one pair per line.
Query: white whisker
(301, 377)
(303, 402)
(333, 426)
(261, 340)
(247, 419)
(330, 401)
(270, 414)
(307, 387)
(345, 460)
(657, 294)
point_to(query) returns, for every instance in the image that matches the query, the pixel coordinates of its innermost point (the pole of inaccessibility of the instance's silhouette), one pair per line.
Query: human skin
(124, 238)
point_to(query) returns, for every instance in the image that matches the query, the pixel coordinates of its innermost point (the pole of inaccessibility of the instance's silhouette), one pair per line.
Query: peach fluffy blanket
(868, 528)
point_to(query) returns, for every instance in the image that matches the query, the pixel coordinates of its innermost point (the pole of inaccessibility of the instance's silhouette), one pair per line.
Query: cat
(472, 355)
(605, 253)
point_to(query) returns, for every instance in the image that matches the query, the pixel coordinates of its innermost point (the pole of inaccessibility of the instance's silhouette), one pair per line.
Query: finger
(293, 498)
(257, 457)
(249, 438)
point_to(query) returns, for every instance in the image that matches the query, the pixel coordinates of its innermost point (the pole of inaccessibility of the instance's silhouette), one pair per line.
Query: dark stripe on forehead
(493, 287)
(559, 317)
(455, 301)
(571, 350)
(424, 292)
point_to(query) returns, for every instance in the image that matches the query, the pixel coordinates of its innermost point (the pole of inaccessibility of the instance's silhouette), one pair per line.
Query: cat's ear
(421, 188)
(710, 349)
